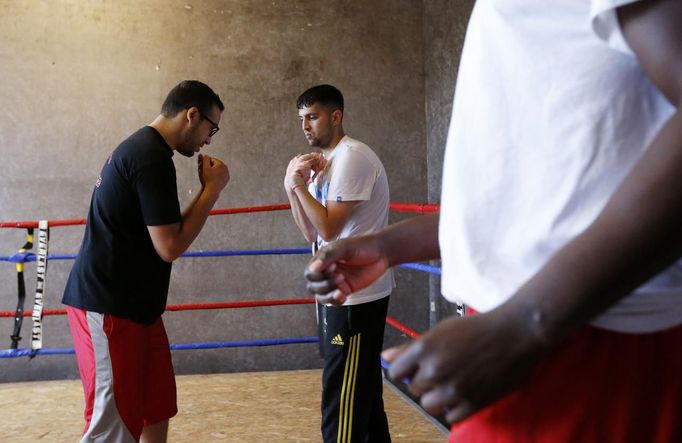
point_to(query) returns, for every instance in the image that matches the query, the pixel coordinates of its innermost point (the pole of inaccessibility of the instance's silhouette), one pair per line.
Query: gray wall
(444, 28)
(78, 77)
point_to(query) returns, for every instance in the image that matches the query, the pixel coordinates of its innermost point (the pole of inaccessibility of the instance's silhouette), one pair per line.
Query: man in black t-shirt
(118, 286)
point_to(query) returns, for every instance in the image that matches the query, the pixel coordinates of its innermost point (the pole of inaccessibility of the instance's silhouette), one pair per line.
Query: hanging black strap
(41, 272)
(21, 286)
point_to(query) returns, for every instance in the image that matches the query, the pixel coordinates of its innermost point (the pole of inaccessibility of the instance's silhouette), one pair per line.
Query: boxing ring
(42, 257)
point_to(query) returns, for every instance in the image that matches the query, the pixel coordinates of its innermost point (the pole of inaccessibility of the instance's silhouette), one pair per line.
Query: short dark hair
(189, 93)
(326, 95)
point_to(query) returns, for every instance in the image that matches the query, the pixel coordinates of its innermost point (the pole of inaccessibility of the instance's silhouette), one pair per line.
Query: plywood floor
(246, 407)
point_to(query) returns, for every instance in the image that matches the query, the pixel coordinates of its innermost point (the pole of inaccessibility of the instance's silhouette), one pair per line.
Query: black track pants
(351, 339)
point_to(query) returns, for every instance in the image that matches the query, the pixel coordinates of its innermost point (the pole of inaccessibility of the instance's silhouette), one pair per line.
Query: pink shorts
(127, 375)
(599, 386)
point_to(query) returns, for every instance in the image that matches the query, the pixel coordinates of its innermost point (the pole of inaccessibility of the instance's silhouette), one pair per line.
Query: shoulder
(356, 151)
(145, 146)
(351, 144)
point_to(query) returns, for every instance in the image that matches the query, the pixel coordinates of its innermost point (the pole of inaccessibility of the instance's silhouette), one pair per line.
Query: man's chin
(188, 153)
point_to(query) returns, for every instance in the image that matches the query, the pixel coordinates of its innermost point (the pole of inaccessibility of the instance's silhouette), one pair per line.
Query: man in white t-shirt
(347, 197)
(560, 224)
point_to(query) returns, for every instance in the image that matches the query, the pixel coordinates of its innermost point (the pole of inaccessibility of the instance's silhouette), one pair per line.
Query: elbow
(310, 237)
(310, 233)
(328, 238)
(168, 241)
(329, 234)
(168, 258)
(168, 254)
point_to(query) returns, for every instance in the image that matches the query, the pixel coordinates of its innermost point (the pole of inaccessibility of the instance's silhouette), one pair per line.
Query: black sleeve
(157, 191)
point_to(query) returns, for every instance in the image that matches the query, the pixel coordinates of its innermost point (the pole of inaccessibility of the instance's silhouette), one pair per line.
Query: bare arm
(348, 265)
(328, 220)
(170, 241)
(301, 220)
(414, 239)
(297, 171)
(311, 216)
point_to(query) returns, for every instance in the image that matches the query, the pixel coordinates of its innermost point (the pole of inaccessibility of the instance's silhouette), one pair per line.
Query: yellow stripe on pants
(348, 391)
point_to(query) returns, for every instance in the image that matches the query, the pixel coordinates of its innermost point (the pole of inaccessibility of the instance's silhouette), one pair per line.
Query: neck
(326, 150)
(166, 127)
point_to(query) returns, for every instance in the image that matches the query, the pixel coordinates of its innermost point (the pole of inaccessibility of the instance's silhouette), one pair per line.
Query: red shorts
(599, 386)
(127, 374)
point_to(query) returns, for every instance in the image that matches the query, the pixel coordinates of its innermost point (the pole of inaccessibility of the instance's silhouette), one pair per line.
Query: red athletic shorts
(127, 375)
(599, 386)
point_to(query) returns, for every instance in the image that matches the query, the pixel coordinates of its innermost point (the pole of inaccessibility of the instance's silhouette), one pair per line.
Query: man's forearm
(300, 218)
(314, 211)
(194, 217)
(414, 239)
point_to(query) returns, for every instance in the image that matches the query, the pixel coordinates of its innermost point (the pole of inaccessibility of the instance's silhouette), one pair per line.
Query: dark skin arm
(349, 265)
(465, 364)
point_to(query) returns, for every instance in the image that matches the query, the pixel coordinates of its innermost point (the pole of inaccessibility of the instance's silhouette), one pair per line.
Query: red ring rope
(400, 207)
(229, 305)
(193, 307)
(402, 328)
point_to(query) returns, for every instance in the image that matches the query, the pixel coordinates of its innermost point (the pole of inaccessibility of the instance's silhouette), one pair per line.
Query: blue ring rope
(25, 352)
(421, 267)
(247, 252)
(243, 344)
(29, 257)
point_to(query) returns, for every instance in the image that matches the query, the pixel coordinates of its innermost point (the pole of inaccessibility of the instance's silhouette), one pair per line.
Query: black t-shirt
(117, 270)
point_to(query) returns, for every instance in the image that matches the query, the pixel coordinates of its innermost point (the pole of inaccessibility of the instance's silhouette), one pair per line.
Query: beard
(321, 141)
(314, 142)
(189, 143)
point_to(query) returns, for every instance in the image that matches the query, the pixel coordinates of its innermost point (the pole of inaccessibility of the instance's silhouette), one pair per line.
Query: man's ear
(192, 115)
(337, 117)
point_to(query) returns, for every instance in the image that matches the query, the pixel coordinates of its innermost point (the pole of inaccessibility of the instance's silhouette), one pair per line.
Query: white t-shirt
(551, 111)
(355, 173)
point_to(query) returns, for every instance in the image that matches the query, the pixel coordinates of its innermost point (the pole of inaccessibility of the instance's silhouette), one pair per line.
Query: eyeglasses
(215, 127)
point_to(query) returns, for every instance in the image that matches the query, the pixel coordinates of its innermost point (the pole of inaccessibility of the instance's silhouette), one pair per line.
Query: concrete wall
(445, 24)
(78, 77)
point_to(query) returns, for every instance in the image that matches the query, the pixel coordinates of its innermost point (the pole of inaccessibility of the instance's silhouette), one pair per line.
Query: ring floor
(241, 407)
